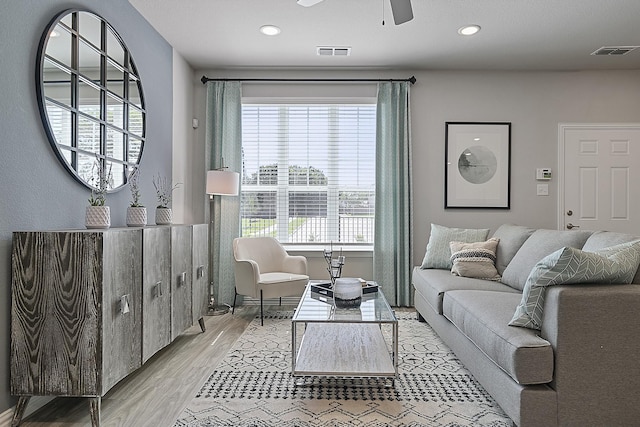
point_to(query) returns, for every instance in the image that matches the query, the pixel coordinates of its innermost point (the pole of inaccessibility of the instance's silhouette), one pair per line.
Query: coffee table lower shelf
(348, 350)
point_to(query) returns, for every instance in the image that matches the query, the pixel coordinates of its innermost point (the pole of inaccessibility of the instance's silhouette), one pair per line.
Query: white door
(599, 182)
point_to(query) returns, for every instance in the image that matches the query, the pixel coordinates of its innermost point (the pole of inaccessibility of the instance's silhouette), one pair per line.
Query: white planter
(164, 216)
(136, 216)
(97, 217)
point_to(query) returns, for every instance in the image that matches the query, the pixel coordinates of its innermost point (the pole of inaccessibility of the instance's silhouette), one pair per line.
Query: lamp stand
(221, 182)
(213, 309)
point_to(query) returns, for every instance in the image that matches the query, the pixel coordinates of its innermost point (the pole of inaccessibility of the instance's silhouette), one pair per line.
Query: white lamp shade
(223, 182)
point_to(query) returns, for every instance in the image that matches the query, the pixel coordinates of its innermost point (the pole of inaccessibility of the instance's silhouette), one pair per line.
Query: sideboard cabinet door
(200, 272)
(54, 351)
(156, 290)
(122, 305)
(76, 311)
(181, 279)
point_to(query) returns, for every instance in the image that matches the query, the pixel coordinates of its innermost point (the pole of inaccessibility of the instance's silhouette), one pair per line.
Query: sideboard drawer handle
(157, 289)
(182, 278)
(124, 304)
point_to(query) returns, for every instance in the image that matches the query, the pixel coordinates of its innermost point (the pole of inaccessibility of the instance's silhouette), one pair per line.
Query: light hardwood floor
(156, 394)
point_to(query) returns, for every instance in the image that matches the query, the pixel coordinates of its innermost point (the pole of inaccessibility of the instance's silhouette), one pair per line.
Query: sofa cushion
(604, 239)
(482, 317)
(539, 245)
(438, 253)
(476, 259)
(433, 283)
(617, 264)
(511, 237)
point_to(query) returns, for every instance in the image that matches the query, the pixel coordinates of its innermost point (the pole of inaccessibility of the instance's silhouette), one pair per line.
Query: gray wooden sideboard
(89, 307)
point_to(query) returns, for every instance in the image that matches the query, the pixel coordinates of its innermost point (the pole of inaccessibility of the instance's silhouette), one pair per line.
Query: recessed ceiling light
(468, 30)
(308, 3)
(270, 30)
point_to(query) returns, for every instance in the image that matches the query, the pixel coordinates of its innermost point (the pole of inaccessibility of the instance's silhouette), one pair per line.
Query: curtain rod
(411, 80)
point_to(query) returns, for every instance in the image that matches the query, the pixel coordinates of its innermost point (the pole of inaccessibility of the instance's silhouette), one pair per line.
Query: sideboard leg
(203, 328)
(19, 412)
(94, 410)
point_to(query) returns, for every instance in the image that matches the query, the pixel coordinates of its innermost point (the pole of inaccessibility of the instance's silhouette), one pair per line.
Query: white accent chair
(265, 270)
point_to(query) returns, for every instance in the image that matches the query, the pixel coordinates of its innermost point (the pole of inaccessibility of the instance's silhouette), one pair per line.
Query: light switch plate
(542, 190)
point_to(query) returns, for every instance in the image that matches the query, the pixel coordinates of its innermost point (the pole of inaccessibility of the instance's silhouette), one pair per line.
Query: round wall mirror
(90, 98)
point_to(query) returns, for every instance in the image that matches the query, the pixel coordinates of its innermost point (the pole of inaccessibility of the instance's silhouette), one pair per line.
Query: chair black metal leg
(280, 300)
(261, 315)
(234, 301)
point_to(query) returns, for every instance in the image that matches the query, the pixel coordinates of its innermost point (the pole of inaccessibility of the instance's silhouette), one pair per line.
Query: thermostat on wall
(543, 174)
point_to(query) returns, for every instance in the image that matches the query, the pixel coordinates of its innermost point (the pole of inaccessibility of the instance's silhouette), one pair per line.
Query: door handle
(570, 226)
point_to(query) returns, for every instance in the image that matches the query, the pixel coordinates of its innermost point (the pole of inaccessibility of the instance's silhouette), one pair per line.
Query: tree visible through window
(308, 172)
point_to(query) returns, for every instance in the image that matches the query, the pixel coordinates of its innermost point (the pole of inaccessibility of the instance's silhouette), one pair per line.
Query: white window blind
(308, 172)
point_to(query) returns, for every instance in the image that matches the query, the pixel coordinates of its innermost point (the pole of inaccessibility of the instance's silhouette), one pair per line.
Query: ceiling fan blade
(308, 3)
(402, 11)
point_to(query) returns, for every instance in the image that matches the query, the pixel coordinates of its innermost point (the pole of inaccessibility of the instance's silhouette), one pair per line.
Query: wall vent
(614, 50)
(333, 51)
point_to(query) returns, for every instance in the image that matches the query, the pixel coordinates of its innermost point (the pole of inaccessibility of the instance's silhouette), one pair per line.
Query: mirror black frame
(104, 126)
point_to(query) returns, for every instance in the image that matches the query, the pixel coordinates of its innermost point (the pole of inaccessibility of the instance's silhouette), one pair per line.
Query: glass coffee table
(346, 343)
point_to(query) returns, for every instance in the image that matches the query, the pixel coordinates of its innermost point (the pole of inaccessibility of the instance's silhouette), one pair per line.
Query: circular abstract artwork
(477, 164)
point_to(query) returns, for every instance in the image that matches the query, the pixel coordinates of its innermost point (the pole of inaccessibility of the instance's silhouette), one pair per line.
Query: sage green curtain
(224, 142)
(392, 253)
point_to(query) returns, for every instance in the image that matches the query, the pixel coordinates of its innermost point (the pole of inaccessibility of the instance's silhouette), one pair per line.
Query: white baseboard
(6, 416)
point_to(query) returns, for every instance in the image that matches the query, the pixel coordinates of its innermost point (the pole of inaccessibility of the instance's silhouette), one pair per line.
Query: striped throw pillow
(477, 260)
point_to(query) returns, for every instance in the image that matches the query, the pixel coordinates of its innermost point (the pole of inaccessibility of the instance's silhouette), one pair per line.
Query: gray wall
(534, 102)
(36, 191)
(183, 135)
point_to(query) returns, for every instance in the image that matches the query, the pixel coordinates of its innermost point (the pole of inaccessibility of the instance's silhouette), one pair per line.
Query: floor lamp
(220, 182)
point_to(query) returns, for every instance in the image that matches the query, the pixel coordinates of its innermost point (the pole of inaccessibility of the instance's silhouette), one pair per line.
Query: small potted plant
(164, 192)
(97, 215)
(136, 212)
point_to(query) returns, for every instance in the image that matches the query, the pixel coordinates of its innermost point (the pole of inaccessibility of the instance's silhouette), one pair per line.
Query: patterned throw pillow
(616, 264)
(438, 252)
(476, 260)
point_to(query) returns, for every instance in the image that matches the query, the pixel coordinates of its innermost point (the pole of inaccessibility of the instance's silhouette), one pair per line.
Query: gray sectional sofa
(581, 368)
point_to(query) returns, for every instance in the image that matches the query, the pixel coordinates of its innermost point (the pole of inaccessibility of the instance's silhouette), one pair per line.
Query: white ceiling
(515, 35)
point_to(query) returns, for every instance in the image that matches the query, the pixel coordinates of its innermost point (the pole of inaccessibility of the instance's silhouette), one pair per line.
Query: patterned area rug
(252, 386)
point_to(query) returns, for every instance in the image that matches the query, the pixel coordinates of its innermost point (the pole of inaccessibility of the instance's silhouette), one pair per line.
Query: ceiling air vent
(333, 51)
(614, 50)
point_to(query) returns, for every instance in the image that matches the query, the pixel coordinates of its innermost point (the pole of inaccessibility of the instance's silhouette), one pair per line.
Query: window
(308, 172)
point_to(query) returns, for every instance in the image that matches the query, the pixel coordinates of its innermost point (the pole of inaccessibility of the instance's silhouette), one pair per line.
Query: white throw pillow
(438, 252)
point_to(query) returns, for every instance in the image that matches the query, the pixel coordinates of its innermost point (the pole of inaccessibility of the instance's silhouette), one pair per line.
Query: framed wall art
(477, 165)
